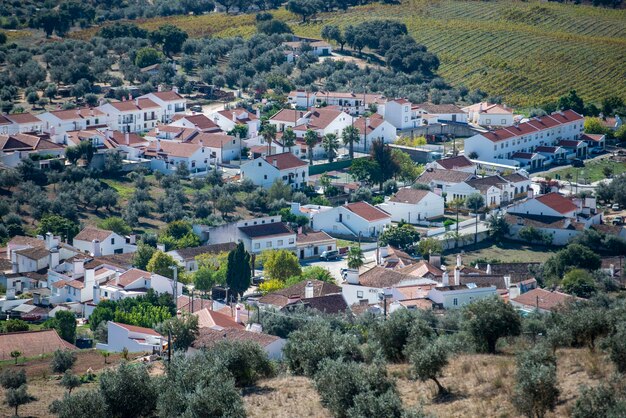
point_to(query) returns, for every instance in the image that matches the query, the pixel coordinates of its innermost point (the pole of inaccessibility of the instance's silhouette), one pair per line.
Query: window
(359, 294)
(260, 164)
(265, 177)
(257, 245)
(268, 244)
(112, 241)
(280, 243)
(455, 302)
(291, 240)
(488, 121)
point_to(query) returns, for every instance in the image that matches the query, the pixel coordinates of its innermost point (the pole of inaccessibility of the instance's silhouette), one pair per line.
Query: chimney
(445, 278)
(160, 88)
(53, 258)
(50, 241)
(258, 113)
(459, 261)
(175, 89)
(488, 271)
(158, 145)
(117, 278)
(238, 314)
(96, 294)
(127, 138)
(95, 248)
(136, 101)
(612, 270)
(90, 277)
(274, 163)
(352, 276)
(156, 131)
(132, 239)
(507, 282)
(530, 193)
(384, 251)
(435, 260)
(457, 276)
(79, 266)
(308, 290)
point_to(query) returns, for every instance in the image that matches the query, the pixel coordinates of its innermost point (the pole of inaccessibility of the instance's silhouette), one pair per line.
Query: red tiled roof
(543, 299)
(175, 149)
(266, 230)
(32, 343)
(140, 330)
(409, 195)
(228, 113)
(543, 122)
(79, 113)
(201, 122)
(374, 122)
(313, 236)
(208, 337)
(438, 108)
(211, 140)
(132, 275)
(168, 96)
(90, 233)
(367, 211)
(23, 118)
(287, 115)
(453, 163)
(557, 202)
(592, 137)
(211, 319)
(284, 161)
(147, 104)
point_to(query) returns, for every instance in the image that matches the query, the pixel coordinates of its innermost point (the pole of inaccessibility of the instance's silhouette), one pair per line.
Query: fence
(323, 168)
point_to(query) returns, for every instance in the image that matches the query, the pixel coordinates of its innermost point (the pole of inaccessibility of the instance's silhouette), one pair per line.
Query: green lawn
(509, 252)
(124, 188)
(593, 171)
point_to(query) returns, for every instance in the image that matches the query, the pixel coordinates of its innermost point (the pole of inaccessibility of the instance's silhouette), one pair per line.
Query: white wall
(454, 299)
(119, 338)
(353, 293)
(114, 244)
(328, 221)
(431, 206)
(264, 174)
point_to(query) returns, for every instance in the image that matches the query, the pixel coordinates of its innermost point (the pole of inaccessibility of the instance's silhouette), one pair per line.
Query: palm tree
(268, 131)
(310, 139)
(355, 258)
(331, 145)
(350, 135)
(289, 139)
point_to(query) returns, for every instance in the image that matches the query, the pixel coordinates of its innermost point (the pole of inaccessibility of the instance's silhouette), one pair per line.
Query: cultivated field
(528, 52)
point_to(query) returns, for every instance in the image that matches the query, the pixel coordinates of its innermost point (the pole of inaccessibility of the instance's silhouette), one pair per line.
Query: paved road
(334, 267)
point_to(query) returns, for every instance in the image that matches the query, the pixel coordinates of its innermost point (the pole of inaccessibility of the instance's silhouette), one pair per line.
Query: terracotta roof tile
(21, 118)
(168, 96)
(410, 195)
(457, 162)
(208, 337)
(544, 299)
(367, 211)
(448, 176)
(213, 319)
(284, 161)
(266, 230)
(140, 330)
(32, 343)
(557, 202)
(381, 277)
(90, 233)
(313, 236)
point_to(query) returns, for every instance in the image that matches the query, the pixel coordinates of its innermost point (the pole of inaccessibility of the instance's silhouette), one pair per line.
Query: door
(301, 254)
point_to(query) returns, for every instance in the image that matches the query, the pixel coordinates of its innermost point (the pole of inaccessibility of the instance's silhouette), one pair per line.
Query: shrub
(62, 360)
(393, 334)
(536, 390)
(617, 349)
(428, 359)
(490, 319)
(315, 342)
(128, 391)
(246, 361)
(11, 379)
(88, 403)
(70, 381)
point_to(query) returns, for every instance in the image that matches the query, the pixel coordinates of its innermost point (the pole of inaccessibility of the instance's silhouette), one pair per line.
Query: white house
(371, 128)
(263, 171)
(325, 120)
(457, 296)
(458, 163)
(494, 189)
(132, 283)
(57, 122)
(350, 102)
(257, 234)
(16, 123)
(96, 241)
(227, 119)
(412, 206)
(187, 256)
(166, 155)
(489, 114)
(312, 244)
(442, 180)
(286, 118)
(137, 115)
(542, 301)
(398, 112)
(133, 338)
(221, 148)
(353, 219)
(16, 147)
(208, 337)
(430, 113)
(199, 122)
(500, 145)
(316, 47)
(170, 103)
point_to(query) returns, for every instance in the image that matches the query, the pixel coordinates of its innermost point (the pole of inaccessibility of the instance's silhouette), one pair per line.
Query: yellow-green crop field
(528, 52)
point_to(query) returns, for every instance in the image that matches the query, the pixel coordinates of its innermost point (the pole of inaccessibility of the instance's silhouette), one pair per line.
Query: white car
(343, 157)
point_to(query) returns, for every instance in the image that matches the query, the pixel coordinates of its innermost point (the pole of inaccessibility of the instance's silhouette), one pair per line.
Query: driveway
(334, 267)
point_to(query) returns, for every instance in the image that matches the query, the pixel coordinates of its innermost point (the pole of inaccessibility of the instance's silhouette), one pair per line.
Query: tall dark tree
(387, 166)
(238, 273)
(170, 37)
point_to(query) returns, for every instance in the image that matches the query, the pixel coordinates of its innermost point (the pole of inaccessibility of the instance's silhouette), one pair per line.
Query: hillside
(482, 385)
(528, 52)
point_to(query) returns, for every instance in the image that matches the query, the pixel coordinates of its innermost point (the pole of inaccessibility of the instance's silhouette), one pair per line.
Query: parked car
(343, 157)
(596, 150)
(257, 280)
(618, 220)
(615, 206)
(196, 108)
(578, 163)
(329, 255)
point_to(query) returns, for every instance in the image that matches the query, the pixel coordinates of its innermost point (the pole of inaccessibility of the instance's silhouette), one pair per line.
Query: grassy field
(528, 52)
(509, 251)
(593, 171)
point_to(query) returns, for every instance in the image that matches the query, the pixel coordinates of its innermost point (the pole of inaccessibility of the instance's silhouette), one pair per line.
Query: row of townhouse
(550, 136)
(401, 113)
(456, 178)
